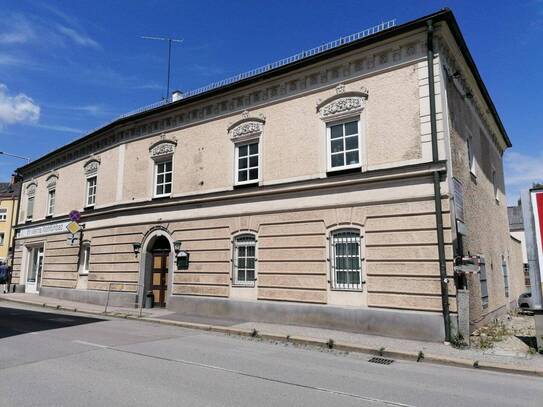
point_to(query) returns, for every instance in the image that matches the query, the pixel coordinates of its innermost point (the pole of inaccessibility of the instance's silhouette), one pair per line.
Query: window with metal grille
(343, 146)
(345, 259)
(91, 191)
(483, 282)
(247, 163)
(505, 272)
(244, 260)
(163, 178)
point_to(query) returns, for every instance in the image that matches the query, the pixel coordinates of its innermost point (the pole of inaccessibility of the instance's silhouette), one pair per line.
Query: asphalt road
(63, 359)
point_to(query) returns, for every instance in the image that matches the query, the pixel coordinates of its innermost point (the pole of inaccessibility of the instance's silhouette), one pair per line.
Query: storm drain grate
(381, 361)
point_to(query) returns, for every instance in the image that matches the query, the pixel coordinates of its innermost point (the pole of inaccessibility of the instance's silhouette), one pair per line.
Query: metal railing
(265, 68)
(137, 301)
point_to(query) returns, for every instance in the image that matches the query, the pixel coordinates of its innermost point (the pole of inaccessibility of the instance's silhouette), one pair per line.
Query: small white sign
(42, 230)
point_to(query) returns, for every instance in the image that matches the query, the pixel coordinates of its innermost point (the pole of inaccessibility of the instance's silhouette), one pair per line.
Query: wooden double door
(159, 277)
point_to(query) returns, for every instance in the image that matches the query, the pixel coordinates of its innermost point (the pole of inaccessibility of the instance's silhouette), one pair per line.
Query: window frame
(51, 208)
(505, 272)
(30, 213)
(495, 184)
(236, 282)
(342, 122)
(2, 238)
(483, 281)
(237, 157)
(87, 189)
(334, 285)
(471, 155)
(3, 214)
(157, 162)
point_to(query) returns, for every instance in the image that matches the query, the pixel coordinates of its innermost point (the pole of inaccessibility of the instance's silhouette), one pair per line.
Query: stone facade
(293, 208)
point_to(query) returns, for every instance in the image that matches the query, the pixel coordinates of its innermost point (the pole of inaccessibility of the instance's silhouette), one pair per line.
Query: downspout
(437, 185)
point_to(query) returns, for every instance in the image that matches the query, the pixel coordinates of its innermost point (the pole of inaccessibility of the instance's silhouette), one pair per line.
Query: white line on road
(96, 345)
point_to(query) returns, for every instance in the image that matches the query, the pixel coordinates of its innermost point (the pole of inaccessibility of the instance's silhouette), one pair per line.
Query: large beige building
(9, 204)
(330, 189)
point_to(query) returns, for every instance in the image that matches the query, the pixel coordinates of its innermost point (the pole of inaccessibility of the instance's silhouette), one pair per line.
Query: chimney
(177, 95)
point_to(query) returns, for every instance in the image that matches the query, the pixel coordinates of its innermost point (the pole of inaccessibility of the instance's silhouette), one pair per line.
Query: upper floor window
(163, 178)
(244, 259)
(91, 192)
(3, 214)
(346, 259)
(343, 145)
(495, 184)
(30, 208)
(483, 281)
(51, 202)
(247, 159)
(471, 156)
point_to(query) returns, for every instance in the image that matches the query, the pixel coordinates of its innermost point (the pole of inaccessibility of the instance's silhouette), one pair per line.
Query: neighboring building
(516, 226)
(322, 190)
(9, 201)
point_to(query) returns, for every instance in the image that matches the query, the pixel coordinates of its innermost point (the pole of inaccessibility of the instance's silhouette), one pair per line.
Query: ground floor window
(244, 260)
(505, 276)
(483, 281)
(345, 259)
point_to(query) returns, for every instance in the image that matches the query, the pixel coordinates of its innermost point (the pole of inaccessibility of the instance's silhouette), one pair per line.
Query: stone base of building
(116, 299)
(395, 323)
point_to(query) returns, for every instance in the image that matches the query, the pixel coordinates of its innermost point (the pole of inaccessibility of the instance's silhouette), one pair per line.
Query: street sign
(73, 227)
(72, 240)
(75, 216)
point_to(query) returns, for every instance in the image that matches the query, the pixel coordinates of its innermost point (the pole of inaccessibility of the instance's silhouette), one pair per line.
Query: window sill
(89, 208)
(161, 197)
(241, 285)
(351, 290)
(343, 171)
(252, 184)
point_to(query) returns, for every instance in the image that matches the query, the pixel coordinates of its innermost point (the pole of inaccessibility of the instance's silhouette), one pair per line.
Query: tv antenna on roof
(170, 40)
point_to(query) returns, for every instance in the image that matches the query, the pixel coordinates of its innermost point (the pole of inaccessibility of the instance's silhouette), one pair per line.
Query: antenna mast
(170, 40)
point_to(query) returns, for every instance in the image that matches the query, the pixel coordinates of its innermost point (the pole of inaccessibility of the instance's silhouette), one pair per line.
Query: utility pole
(170, 40)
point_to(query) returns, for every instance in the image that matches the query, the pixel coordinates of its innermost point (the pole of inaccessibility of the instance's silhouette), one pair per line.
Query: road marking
(269, 379)
(96, 345)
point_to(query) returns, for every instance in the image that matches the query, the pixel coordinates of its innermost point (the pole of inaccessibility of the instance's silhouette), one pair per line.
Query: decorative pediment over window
(31, 189)
(51, 181)
(247, 127)
(91, 167)
(163, 147)
(342, 104)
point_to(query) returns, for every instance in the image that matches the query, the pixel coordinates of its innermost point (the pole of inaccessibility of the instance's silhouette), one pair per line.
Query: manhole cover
(381, 361)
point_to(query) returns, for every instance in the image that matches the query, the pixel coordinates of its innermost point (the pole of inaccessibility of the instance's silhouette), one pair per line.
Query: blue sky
(66, 67)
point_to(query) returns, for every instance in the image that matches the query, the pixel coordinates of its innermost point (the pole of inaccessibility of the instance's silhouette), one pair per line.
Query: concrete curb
(305, 341)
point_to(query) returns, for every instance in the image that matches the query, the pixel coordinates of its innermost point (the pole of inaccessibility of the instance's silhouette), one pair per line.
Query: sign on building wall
(42, 230)
(537, 206)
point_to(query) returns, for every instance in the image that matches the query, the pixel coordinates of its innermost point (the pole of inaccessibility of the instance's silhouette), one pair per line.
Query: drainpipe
(437, 185)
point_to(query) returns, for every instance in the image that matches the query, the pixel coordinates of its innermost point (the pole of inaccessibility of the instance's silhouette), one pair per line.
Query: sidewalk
(501, 359)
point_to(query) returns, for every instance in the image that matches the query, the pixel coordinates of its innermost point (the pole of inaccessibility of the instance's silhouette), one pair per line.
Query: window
(30, 208)
(84, 259)
(458, 195)
(343, 146)
(471, 157)
(163, 178)
(495, 184)
(91, 192)
(51, 202)
(526, 269)
(483, 282)
(247, 163)
(3, 214)
(345, 259)
(505, 272)
(1, 238)
(244, 260)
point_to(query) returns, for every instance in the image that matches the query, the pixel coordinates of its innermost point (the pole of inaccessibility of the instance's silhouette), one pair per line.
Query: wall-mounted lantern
(137, 248)
(177, 246)
(181, 256)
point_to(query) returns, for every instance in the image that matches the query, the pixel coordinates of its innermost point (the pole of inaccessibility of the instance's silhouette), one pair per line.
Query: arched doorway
(157, 265)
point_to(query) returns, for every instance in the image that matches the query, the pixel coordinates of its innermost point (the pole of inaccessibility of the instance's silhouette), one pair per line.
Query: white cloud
(17, 109)
(77, 37)
(18, 30)
(521, 171)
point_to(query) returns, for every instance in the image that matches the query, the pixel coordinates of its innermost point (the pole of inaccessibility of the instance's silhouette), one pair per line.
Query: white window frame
(483, 281)
(30, 213)
(342, 122)
(88, 195)
(235, 269)
(2, 238)
(84, 259)
(51, 198)
(158, 162)
(471, 155)
(259, 167)
(333, 267)
(3, 214)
